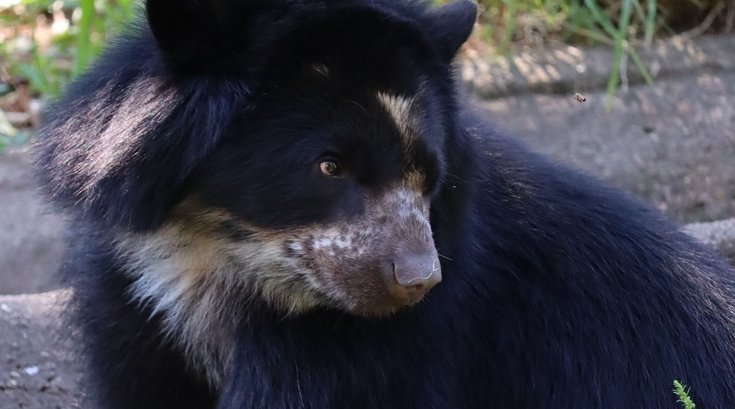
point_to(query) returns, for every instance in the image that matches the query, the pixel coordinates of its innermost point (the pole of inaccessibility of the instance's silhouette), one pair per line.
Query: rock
(719, 234)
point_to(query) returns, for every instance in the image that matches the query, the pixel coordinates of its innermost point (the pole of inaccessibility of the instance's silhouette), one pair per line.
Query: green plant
(682, 393)
(6, 131)
(83, 53)
(9, 135)
(615, 24)
(48, 65)
(41, 72)
(619, 35)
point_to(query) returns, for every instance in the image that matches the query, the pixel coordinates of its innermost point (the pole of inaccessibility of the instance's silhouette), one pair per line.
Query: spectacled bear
(285, 204)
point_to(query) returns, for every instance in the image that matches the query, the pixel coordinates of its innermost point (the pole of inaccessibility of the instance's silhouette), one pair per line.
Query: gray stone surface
(31, 242)
(719, 234)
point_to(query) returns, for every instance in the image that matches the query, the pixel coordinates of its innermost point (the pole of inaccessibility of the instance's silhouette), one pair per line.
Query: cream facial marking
(399, 107)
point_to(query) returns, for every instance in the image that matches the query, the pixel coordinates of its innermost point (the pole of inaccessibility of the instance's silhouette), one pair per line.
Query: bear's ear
(451, 25)
(202, 30)
(184, 28)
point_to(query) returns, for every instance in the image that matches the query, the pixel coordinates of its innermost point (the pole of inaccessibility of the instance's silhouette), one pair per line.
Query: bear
(289, 204)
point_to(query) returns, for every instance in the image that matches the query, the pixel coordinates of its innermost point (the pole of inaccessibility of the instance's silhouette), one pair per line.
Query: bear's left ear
(187, 29)
(200, 31)
(450, 26)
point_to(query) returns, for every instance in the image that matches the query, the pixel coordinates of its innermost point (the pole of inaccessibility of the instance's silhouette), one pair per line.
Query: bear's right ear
(205, 30)
(450, 25)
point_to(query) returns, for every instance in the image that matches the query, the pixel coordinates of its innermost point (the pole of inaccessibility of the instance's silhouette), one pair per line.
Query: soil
(673, 145)
(30, 234)
(37, 368)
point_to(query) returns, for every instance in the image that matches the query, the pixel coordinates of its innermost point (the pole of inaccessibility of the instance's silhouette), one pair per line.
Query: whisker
(445, 257)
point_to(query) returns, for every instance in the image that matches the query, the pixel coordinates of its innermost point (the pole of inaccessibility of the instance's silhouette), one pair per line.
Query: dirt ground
(37, 368)
(672, 145)
(29, 233)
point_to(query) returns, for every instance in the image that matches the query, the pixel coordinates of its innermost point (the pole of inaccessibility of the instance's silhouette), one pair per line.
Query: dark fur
(557, 291)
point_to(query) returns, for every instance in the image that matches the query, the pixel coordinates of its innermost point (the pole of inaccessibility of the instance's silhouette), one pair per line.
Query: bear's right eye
(330, 168)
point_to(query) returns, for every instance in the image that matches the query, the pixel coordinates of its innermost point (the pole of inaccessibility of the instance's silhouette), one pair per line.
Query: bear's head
(287, 151)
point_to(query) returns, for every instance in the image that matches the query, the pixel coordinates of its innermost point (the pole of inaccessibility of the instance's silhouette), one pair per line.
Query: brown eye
(330, 168)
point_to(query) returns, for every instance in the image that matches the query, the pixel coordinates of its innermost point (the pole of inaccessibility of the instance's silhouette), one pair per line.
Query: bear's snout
(411, 275)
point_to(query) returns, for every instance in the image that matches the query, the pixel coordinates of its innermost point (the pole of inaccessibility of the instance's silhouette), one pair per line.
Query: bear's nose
(411, 275)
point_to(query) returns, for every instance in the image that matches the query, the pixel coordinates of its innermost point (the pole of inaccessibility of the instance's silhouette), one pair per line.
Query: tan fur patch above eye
(415, 181)
(399, 108)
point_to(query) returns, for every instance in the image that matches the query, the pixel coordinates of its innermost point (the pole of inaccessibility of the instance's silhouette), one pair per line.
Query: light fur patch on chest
(200, 282)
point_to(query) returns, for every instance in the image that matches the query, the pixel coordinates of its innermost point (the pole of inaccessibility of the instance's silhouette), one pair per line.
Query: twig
(624, 69)
(730, 19)
(702, 28)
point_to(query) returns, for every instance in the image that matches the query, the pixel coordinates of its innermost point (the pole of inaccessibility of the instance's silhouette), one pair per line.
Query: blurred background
(45, 43)
(640, 93)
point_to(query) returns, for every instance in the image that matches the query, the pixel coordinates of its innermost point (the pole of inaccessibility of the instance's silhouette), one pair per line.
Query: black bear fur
(557, 291)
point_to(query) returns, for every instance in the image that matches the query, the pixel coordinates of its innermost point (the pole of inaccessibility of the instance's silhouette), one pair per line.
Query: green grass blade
(509, 23)
(650, 24)
(592, 35)
(619, 48)
(84, 37)
(39, 70)
(601, 18)
(625, 14)
(639, 65)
